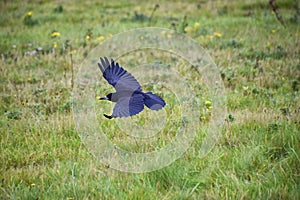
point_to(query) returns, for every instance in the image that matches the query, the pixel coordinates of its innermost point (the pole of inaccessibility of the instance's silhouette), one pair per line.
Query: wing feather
(117, 76)
(129, 106)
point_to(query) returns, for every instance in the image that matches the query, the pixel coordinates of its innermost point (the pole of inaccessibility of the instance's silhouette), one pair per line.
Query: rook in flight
(129, 97)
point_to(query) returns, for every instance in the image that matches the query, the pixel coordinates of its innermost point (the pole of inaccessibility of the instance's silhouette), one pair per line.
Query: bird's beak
(103, 98)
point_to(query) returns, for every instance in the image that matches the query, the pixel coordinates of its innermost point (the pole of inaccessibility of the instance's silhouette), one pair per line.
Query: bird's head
(107, 97)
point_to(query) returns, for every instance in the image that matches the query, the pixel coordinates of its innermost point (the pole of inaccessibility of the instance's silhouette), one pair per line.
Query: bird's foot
(108, 116)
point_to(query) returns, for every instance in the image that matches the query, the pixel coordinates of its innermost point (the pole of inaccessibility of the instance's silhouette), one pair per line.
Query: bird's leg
(107, 116)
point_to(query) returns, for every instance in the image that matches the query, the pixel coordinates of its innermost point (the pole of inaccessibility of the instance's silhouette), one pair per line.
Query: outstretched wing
(129, 106)
(117, 76)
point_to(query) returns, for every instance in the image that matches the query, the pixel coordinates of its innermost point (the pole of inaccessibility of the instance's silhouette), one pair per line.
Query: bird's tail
(153, 101)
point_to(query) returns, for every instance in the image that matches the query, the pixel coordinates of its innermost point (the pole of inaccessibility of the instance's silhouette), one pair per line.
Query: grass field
(255, 47)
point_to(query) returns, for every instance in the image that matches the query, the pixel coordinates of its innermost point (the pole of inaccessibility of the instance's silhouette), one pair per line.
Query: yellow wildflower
(29, 14)
(55, 45)
(87, 37)
(74, 51)
(32, 184)
(55, 34)
(109, 35)
(137, 9)
(188, 29)
(100, 38)
(245, 90)
(273, 31)
(217, 34)
(208, 103)
(196, 26)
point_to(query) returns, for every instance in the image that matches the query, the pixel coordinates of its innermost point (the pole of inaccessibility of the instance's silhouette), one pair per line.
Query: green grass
(258, 155)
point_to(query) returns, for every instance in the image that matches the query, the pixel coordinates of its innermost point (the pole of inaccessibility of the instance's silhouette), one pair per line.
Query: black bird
(129, 97)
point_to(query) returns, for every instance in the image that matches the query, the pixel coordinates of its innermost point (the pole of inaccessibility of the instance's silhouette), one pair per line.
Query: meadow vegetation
(44, 42)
